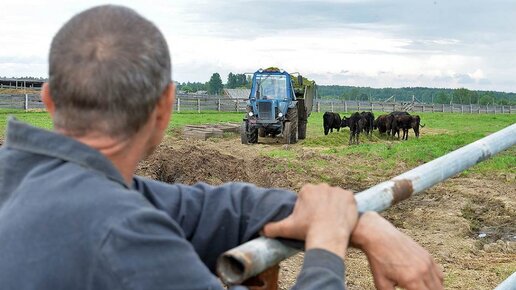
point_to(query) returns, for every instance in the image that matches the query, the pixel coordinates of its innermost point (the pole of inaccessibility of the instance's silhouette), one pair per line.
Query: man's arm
(394, 258)
(217, 218)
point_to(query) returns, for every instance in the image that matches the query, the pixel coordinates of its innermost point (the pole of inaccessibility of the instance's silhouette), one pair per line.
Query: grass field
(444, 132)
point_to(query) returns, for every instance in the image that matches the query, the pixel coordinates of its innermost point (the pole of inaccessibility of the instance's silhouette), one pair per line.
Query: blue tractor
(278, 105)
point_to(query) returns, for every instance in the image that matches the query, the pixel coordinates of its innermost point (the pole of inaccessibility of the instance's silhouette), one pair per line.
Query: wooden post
(470, 108)
(462, 109)
(178, 105)
(318, 106)
(423, 108)
(218, 105)
(494, 106)
(372, 107)
(487, 109)
(443, 108)
(332, 106)
(198, 105)
(345, 106)
(503, 109)
(383, 109)
(26, 102)
(359, 106)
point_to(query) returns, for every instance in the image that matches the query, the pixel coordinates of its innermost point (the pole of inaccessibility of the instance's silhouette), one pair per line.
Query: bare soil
(468, 223)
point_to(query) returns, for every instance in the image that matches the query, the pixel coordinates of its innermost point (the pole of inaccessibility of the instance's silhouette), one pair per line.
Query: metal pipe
(508, 284)
(253, 257)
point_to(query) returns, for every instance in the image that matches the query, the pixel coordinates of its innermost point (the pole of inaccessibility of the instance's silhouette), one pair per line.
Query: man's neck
(124, 154)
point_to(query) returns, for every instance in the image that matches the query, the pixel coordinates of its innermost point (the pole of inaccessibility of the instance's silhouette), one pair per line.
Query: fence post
(359, 106)
(423, 108)
(318, 106)
(443, 108)
(198, 105)
(383, 109)
(470, 108)
(332, 106)
(487, 109)
(503, 109)
(26, 102)
(218, 105)
(345, 106)
(494, 108)
(178, 105)
(462, 109)
(372, 107)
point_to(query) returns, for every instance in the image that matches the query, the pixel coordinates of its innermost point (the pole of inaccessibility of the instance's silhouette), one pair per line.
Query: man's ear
(165, 106)
(47, 99)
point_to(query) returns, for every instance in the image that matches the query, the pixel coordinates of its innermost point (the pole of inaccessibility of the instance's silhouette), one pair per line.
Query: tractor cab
(271, 95)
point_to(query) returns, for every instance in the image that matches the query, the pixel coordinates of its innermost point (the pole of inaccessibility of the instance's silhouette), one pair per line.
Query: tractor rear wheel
(290, 131)
(293, 120)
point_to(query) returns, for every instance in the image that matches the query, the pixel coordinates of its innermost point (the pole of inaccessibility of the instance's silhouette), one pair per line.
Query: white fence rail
(201, 103)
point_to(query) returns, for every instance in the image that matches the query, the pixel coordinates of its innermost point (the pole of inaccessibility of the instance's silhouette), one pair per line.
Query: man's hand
(323, 216)
(394, 258)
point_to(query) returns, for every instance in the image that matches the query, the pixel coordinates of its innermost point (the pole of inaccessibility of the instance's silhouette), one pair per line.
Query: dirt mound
(192, 163)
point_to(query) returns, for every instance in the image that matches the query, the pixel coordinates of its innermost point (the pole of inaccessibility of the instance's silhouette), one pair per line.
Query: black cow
(404, 122)
(356, 124)
(416, 123)
(331, 121)
(383, 124)
(368, 120)
(391, 130)
(401, 122)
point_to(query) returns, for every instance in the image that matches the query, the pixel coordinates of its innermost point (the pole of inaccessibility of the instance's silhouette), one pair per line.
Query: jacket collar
(34, 140)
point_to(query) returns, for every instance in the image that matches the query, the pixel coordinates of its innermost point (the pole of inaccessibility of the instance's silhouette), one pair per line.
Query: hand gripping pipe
(255, 256)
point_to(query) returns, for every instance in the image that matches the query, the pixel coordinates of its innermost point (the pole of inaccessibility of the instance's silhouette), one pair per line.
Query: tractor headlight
(280, 114)
(250, 114)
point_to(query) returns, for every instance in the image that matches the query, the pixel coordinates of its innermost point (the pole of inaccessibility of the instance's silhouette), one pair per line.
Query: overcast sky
(378, 43)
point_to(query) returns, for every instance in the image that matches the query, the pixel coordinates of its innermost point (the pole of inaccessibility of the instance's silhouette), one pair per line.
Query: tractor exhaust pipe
(255, 256)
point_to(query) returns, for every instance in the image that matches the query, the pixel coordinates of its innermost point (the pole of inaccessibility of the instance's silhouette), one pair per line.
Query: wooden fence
(202, 103)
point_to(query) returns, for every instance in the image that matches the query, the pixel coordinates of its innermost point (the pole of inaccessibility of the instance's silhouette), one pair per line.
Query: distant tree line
(426, 95)
(215, 86)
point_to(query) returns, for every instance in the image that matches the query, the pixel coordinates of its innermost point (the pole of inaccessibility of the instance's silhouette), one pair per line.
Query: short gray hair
(108, 67)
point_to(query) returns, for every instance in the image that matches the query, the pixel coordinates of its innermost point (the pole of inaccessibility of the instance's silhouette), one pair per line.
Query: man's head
(108, 69)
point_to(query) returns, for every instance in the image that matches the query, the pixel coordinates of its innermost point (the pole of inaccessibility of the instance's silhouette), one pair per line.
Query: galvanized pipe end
(233, 268)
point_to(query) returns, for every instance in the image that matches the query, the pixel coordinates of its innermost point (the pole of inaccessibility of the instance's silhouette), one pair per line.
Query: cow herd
(390, 124)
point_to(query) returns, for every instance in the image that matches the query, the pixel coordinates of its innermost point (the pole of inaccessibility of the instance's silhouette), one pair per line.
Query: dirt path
(446, 220)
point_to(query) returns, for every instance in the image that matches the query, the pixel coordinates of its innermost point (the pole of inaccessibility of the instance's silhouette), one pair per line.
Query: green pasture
(444, 132)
